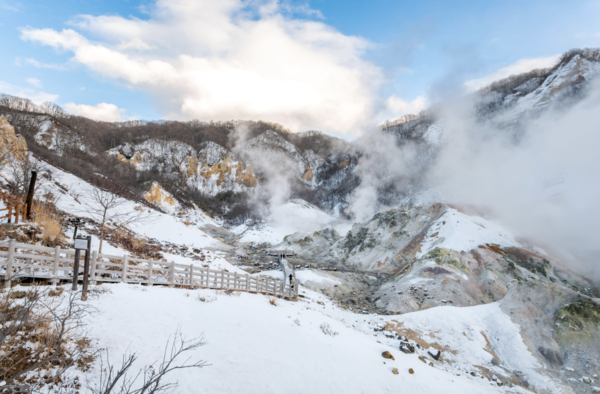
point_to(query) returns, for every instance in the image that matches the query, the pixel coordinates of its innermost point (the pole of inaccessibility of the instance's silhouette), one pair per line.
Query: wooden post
(75, 270)
(222, 278)
(93, 267)
(30, 193)
(191, 275)
(17, 211)
(207, 277)
(9, 263)
(86, 269)
(235, 281)
(150, 264)
(55, 265)
(124, 278)
(172, 273)
(247, 282)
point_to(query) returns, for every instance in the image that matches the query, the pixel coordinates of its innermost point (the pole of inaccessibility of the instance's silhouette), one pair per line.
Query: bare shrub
(273, 301)
(120, 381)
(39, 340)
(327, 330)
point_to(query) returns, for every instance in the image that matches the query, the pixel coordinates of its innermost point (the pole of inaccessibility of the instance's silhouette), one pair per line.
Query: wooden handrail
(21, 262)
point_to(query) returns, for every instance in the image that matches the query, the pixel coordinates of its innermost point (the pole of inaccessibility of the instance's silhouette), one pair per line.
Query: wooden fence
(14, 207)
(55, 264)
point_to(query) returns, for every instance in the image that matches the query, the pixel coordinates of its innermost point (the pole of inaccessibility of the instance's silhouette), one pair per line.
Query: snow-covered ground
(458, 231)
(255, 347)
(304, 276)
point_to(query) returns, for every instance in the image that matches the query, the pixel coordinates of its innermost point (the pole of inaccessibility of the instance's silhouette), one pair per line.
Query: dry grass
(273, 301)
(136, 245)
(46, 216)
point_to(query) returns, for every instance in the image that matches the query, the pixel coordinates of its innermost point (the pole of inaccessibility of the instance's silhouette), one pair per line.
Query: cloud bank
(102, 111)
(229, 59)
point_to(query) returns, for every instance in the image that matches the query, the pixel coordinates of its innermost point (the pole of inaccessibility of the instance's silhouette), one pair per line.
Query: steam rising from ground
(544, 182)
(541, 178)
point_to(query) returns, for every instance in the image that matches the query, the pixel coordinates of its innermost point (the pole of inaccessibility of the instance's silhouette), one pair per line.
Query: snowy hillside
(311, 345)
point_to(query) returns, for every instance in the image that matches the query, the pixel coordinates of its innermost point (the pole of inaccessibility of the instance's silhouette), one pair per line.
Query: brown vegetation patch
(413, 335)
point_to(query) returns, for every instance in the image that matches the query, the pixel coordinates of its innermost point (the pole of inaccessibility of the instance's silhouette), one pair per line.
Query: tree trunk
(102, 231)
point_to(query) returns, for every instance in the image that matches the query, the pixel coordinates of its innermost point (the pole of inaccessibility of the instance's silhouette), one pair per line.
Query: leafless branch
(153, 379)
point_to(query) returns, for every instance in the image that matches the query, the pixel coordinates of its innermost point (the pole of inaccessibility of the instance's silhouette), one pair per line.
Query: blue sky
(407, 50)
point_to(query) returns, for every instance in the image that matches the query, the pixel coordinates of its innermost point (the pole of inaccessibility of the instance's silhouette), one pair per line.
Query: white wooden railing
(32, 261)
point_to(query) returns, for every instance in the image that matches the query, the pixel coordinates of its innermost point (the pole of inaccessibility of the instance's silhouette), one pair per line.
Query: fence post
(222, 278)
(93, 267)
(55, 265)
(29, 262)
(9, 263)
(172, 273)
(247, 282)
(150, 264)
(17, 210)
(207, 277)
(191, 275)
(9, 213)
(235, 281)
(124, 278)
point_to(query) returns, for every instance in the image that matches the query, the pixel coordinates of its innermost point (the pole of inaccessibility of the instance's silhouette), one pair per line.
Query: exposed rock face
(159, 196)
(212, 169)
(12, 146)
(560, 327)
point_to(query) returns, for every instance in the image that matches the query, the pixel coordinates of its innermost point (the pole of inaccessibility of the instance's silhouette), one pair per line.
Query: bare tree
(19, 173)
(152, 379)
(104, 206)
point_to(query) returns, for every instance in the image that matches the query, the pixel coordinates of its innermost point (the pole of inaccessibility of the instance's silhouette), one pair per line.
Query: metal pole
(75, 270)
(86, 268)
(30, 193)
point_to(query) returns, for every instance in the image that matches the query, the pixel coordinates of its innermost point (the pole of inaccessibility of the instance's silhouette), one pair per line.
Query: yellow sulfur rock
(156, 194)
(11, 144)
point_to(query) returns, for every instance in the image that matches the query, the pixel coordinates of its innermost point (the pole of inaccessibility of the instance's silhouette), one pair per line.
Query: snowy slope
(254, 347)
(557, 85)
(71, 194)
(457, 231)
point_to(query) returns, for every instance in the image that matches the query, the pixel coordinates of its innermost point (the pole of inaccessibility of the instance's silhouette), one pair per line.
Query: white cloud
(519, 67)
(397, 106)
(34, 82)
(230, 59)
(102, 111)
(35, 63)
(36, 96)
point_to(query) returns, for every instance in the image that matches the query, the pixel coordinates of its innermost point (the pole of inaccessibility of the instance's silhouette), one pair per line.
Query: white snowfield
(255, 347)
(457, 231)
